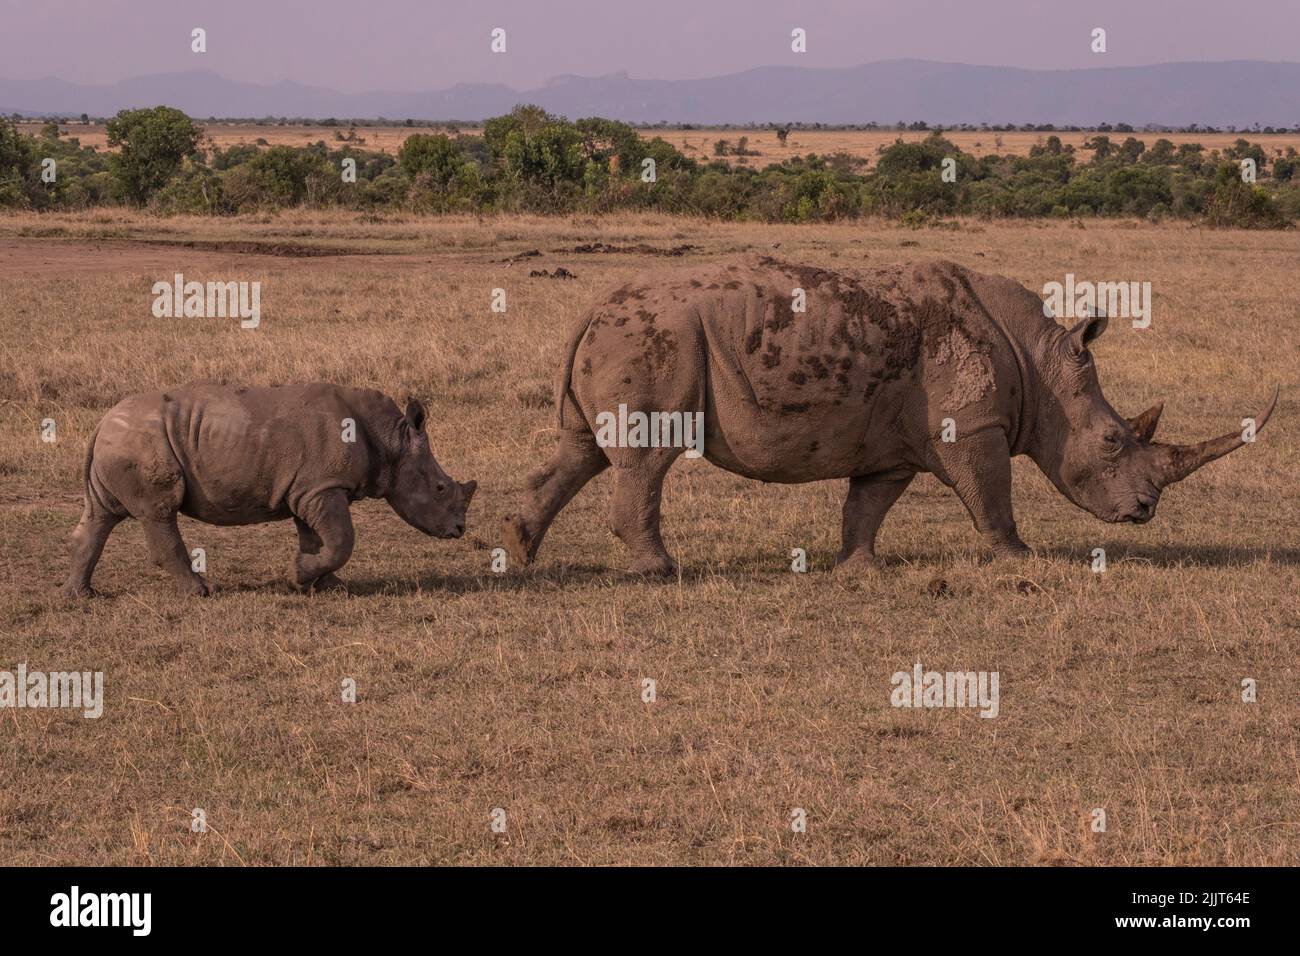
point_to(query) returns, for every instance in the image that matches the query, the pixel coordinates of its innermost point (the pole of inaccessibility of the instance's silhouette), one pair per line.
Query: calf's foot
(329, 582)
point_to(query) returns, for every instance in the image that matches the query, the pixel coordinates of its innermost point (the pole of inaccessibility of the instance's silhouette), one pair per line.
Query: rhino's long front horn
(1176, 462)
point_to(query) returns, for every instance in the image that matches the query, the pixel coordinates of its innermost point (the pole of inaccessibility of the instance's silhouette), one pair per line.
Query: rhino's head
(1104, 463)
(425, 496)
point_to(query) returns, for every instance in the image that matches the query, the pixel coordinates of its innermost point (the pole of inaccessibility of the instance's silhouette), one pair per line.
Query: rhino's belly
(798, 443)
(235, 477)
(222, 502)
(231, 513)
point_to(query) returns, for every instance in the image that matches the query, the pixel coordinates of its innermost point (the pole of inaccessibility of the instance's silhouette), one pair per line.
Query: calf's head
(424, 495)
(1104, 463)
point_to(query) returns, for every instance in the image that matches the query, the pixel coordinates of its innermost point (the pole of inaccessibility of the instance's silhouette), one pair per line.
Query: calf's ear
(415, 414)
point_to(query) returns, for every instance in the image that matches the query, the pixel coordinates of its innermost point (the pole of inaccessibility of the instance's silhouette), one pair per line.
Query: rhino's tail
(89, 460)
(565, 380)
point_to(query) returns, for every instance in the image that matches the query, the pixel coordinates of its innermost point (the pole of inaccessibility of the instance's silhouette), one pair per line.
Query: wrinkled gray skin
(232, 455)
(857, 387)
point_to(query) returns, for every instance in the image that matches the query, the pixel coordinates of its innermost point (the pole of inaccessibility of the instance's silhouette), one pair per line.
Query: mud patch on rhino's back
(960, 357)
(658, 350)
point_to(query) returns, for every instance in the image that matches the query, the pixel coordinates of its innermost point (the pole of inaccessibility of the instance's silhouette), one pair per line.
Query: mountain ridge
(1210, 93)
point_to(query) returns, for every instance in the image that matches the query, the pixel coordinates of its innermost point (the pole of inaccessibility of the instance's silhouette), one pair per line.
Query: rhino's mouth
(1143, 510)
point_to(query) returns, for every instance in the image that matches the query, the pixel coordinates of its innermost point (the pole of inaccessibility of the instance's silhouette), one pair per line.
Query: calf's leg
(310, 543)
(169, 553)
(87, 545)
(328, 521)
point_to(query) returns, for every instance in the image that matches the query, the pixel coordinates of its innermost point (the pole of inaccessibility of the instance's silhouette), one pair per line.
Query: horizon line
(624, 73)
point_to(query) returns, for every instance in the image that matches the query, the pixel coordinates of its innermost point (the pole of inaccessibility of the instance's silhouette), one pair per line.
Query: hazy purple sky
(358, 45)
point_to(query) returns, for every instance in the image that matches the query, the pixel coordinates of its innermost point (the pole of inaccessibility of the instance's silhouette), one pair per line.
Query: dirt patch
(640, 249)
(71, 257)
(252, 247)
(530, 254)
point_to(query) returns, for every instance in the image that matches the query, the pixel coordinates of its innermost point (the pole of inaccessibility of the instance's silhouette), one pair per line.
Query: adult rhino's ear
(415, 414)
(1085, 333)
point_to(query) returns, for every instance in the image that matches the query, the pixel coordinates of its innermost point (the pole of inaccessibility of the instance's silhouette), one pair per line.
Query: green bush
(280, 177)
(530, 160)
(151, 145)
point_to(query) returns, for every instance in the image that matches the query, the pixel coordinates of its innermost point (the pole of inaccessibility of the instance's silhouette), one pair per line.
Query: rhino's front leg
(310, 543)
(978, 468)
(870, 498)
(325, 540)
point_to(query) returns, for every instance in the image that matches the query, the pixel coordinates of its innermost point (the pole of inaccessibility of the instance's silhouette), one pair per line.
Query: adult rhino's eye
(1113, 440)
(440, 488)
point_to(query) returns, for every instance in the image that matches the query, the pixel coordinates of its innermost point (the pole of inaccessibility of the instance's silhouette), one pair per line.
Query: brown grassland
(698, 144)
(1119, 690)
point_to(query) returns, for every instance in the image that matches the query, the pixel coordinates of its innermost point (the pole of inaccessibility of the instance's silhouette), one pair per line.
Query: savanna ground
(698, 143)
(1119, 690)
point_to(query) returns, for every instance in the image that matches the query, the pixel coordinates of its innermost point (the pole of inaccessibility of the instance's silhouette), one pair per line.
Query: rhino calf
(233, 455)
(805, 374)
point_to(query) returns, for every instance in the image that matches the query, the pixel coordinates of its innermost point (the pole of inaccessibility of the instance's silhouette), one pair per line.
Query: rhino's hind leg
(634, 511)
(869, 499)
(87, 545)
(978, 468)
(576, 460)
(328, 522)
(169, 553)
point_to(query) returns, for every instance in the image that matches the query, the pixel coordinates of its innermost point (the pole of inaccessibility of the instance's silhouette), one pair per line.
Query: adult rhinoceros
(921, 368)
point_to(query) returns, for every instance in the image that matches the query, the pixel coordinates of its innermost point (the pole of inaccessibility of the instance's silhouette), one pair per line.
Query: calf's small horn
(1176, 462)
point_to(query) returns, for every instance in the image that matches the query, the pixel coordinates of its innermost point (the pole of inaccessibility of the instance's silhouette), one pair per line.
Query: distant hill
(1230, 93)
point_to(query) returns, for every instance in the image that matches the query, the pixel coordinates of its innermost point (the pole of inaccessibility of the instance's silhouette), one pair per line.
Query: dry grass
(1119, 690)
(699, 143)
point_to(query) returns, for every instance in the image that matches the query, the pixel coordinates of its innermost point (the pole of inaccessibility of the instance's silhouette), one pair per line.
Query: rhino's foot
(328, 582)
(73, 592)
(323, 584)
(859, 562)
(654, 566)
(197, 587)
(1006, 545)
(515, 536)
(1010, 554)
